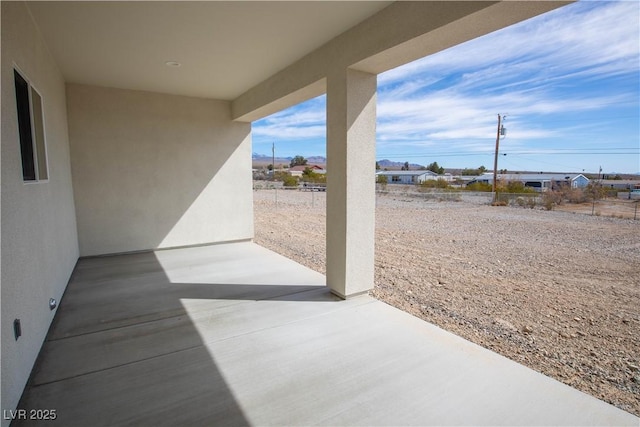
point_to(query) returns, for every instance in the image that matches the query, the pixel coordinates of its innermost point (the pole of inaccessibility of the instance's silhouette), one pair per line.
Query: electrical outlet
(17, 329)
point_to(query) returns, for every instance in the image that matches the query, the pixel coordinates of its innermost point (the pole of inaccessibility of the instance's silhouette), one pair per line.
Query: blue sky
(568, 82)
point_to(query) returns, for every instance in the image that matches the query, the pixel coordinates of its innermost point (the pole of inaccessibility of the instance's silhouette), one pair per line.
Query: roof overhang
(263, 55)
(224, 48)
(398, 34)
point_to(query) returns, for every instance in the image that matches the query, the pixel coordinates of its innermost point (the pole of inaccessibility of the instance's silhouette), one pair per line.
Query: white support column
(351, 148)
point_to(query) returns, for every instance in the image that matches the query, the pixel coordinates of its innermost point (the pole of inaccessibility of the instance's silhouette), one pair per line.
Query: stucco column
(351, 147)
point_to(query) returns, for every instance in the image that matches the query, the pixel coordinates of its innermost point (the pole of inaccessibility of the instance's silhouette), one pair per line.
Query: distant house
(537, 181)
(298, 170)
(466, 179)
(447, 177)
(407, 177)
(620, 184)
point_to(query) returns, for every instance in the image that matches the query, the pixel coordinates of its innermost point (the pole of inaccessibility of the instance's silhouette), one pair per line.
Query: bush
(474, 172)
(381, 183)
(515, 187)
(480, 186)
(310, 176)
(526, 202)
(280, 175)
(575, 195)
(290, 181)
(593, 191)
(531, 202)
(551, 198)
(435, 183)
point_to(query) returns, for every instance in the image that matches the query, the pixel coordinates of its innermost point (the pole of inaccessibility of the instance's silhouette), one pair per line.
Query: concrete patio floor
(235, 334)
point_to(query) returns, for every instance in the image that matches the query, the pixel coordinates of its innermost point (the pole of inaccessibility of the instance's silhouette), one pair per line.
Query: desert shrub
(525, 202)
(572, 195)
(594, 191)
(290, 181)
(262, 174)
(280, 175)
(551, 198)
(434, 183)
(515, 187)
(382, 181)
(575, 195)
(480, 186)
(610, 192)
(310, 176)
(503, 197)
(474, 172)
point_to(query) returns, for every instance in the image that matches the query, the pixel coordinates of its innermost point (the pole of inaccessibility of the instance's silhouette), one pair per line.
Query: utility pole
(495, 160)
(273, 172)
(596, 190)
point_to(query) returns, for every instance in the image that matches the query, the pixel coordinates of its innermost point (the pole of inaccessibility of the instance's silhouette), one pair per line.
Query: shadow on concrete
(124, 350)
(141, 341)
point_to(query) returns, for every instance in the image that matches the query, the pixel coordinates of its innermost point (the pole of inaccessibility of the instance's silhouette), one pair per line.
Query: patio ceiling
(224, 48)
(264, 56)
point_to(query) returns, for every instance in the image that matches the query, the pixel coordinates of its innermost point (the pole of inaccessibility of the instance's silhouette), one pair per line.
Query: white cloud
(602, 39)
(290, 132)
(548, 74)
(305, 121)
(447, 114)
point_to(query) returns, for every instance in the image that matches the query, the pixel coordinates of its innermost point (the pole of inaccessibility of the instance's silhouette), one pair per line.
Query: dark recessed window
(31, 130)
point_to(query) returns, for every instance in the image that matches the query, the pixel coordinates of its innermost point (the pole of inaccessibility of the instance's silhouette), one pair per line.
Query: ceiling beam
(400, 33)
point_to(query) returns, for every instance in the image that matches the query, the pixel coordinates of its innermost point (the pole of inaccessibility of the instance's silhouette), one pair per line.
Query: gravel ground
(556, 291)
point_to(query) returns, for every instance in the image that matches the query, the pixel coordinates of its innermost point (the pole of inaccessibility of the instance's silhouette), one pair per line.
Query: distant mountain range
(389, 164)
(263, 159)
(266, 160)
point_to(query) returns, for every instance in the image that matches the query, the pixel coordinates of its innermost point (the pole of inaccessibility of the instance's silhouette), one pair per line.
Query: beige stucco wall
(39, 240)
(351, 199)
(155, 171)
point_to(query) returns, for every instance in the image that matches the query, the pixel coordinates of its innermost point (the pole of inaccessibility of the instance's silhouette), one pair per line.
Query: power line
(570, 149)
(595, 148)
(573, 153)
(511, 153)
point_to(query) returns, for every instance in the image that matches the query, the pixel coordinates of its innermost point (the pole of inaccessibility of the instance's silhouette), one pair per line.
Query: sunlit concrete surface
(234, 334)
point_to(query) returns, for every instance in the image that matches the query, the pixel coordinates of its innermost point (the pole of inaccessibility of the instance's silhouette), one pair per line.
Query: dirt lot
(609, 207)
(556, 291)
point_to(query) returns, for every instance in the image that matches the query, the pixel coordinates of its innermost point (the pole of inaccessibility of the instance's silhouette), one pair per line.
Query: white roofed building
(537, 181)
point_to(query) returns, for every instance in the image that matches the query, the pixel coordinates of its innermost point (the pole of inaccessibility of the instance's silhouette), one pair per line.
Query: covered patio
(234, 334)
(127, 197)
